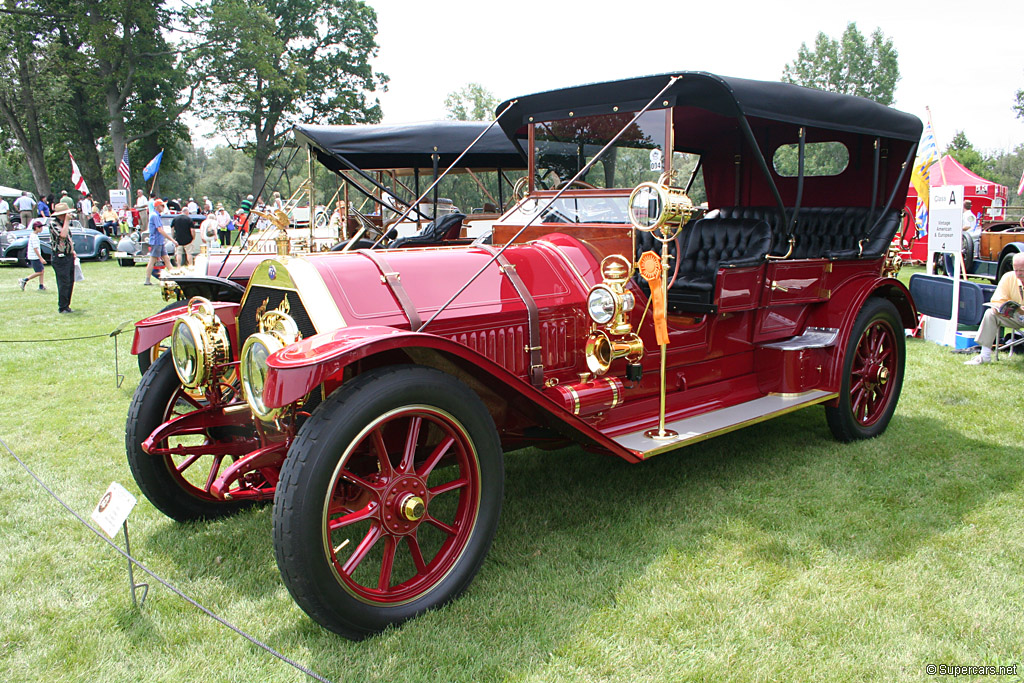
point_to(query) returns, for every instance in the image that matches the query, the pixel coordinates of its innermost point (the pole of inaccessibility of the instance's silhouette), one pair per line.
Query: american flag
(124, 171)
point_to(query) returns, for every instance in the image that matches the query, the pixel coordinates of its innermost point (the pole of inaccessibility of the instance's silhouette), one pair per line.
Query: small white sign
(945, 218)
(118, 199)
(657, 159)
(113, 509)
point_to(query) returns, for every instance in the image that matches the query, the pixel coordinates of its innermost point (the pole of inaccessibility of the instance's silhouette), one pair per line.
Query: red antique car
(372, 394)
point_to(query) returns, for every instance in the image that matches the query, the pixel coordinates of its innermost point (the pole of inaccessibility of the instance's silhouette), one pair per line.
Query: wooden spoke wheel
(872, 374)
(389, 499)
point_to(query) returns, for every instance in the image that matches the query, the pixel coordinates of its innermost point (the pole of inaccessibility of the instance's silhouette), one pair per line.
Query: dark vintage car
(1001, 239)
(373, 394)
(89, 244)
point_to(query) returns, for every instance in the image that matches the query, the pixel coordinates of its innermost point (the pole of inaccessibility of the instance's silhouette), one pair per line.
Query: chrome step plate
(701, 427)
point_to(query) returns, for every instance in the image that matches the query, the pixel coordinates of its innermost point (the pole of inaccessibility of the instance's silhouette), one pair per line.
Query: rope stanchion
(164, 582)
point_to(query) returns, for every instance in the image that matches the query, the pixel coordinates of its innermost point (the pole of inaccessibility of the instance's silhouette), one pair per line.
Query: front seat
(447, 227)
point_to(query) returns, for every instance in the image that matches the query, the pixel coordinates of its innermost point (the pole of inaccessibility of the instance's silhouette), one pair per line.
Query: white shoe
(978, 360)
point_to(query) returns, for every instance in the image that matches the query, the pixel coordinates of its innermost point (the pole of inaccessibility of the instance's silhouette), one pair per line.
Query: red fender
(152, 330)
(296, 370)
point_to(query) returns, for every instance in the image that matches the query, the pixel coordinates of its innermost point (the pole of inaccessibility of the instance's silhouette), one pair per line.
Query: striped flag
(76, 177)
(1020, 187)
(124, 171)
(920, 177)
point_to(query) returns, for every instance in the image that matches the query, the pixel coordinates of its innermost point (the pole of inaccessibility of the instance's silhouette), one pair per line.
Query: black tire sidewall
(309, 468)
(840, 418)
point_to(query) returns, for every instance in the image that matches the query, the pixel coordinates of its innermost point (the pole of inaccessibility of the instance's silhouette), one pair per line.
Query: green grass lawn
(769, 554)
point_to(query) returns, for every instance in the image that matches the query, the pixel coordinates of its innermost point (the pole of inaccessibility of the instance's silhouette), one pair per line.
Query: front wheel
(1005, 265)
(388, 500)
(178, 480)
(872, 373)
(103, 254)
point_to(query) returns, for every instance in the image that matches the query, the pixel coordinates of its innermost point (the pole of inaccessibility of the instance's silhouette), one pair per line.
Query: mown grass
(773, 553)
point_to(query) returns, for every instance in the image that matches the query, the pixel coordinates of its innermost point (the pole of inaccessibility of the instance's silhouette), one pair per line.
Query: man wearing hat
(158, 239)
(62, 254)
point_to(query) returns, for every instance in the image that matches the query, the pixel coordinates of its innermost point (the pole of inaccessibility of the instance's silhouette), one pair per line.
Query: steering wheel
(570, 183)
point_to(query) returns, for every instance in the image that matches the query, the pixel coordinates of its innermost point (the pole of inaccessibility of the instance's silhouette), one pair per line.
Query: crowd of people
(194, 224)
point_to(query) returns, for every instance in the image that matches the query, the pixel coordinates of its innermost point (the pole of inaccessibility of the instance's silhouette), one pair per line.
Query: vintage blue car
(88, 244)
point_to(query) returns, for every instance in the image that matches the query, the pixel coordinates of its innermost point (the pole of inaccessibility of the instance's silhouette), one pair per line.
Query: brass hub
(412, 508)
(883, 375)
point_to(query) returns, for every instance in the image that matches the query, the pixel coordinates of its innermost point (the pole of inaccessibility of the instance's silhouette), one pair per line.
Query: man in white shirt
(85, 204)
(5, 221)
(207, 205)
(24, 205)
(192, 208)
(970, 226)
(142, 204)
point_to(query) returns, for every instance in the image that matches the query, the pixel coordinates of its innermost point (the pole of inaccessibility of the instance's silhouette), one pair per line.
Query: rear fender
(844, 305)
(154, 329)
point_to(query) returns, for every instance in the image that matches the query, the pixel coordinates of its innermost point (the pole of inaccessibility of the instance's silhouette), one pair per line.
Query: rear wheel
(388, 500)
(872, 373)
(1005, 265)
(179, 484)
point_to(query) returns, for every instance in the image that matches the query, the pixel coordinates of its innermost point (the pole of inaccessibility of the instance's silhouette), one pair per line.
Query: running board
(701, 427)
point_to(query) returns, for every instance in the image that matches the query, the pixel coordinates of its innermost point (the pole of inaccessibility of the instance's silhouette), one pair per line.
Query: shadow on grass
(576, 527)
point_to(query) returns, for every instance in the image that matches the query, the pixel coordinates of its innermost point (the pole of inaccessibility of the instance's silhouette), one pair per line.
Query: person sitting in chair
(1010, 288)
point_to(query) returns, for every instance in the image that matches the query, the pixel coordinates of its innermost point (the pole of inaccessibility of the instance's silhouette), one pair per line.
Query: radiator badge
(272, 273)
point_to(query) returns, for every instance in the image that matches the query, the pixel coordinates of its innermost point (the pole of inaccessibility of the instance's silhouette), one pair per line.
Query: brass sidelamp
(609, 304)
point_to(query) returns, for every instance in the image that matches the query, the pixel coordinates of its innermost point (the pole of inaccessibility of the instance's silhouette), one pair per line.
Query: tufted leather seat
(824, 232)
(445, 228)
(712, 244)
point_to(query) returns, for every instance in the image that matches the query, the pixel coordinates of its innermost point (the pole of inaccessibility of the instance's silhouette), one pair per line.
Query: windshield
(563, 147)
(612, 210)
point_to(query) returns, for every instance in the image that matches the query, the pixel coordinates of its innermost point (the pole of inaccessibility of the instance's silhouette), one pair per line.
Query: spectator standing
(223, 231)
(24, 205)
(142, 205)
(192, 207)
(276, 203)
(63, 251)
(247, 204)
(174, 205)
(34, 255)
(66, 200)
(181, 228)
(972, 227)
(207, 205)
(158, 239)
(242, 224)
(85, 204)
(208, 232)
(5, 221)
(42, 208)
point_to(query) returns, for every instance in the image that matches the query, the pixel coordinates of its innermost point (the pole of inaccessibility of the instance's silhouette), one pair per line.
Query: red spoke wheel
(872, 373)
(179, 484)
(388, 500)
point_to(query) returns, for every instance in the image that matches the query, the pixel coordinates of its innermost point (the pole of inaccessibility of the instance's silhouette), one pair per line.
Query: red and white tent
(982, 193)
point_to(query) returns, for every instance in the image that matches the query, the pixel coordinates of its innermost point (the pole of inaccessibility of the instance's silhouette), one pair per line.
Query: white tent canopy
(10, 192)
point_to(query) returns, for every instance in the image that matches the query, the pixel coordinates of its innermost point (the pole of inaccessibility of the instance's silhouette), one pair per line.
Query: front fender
(152, 330)
(297, 369)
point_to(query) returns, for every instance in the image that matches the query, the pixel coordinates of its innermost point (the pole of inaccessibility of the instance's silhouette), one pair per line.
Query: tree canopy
(473, 102)
(851, 65)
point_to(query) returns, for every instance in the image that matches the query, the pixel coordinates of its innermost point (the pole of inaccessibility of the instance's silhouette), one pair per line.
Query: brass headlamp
(199, 344)
(277, 330)
(609, 304)
(656, 205)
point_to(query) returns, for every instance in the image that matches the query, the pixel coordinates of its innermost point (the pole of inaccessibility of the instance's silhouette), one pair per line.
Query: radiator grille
(247, 322)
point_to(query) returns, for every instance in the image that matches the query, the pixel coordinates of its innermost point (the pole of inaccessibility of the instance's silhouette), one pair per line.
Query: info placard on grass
(113, 509)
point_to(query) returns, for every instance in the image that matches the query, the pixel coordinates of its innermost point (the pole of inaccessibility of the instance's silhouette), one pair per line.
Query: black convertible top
(408, 146)
(732, 97)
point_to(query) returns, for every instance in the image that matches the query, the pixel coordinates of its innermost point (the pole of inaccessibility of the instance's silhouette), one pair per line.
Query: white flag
(76, 177)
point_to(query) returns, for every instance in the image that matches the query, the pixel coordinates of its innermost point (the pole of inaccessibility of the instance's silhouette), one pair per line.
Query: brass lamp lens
(185, 353)
(646, 207)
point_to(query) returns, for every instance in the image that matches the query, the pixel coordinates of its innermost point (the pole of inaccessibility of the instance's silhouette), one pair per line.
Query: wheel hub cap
(413, 508)
(404, 505)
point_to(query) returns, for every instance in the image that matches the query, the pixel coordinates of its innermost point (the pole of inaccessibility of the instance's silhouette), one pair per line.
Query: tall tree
(850, 65)
(473, 102)
(23, 84)
(271, 63)
(961, 149)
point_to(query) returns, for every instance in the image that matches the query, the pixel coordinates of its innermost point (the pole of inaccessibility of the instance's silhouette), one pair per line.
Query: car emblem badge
(272, 272)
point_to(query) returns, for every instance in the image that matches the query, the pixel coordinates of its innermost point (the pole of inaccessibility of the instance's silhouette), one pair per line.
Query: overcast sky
(963, 60)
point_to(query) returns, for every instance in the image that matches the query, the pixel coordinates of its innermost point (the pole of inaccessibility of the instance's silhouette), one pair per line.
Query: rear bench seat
(744, 236)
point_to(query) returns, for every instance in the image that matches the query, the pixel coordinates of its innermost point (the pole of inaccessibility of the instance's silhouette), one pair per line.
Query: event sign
(113, 509)
(118, 199)
(945, 235)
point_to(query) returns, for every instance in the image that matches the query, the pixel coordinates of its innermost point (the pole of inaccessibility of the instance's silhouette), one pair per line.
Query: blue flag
(152, 167)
